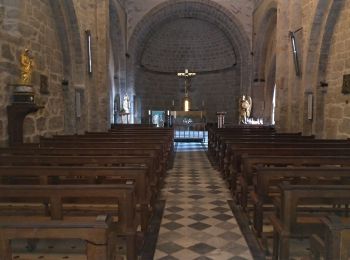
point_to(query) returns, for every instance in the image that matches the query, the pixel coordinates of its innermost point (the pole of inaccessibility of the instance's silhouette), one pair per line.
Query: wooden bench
(155, 153)
(62, 224)
(122, 144)
(275, 143)
(223, 153)
(290, 222)
(234, 168)
(335, 242)
(234, 164)
(267, 179)
(223, 141)
(250, 162)
(86, 175)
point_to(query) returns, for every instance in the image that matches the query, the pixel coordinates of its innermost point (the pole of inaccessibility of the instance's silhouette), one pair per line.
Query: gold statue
(245, 107)
(27, 64)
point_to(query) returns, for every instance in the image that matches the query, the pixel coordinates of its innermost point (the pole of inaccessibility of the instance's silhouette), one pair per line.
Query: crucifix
(187, 75)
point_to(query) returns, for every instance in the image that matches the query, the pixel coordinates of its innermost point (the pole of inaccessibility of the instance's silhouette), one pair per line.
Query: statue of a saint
(245, 107)
(27, 64)
(126, 104)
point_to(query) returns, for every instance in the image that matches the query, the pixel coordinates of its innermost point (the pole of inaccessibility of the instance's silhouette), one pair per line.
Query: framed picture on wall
(44, 85)
(346, 84)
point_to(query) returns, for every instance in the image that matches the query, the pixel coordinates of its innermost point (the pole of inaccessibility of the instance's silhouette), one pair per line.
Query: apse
(200, 47)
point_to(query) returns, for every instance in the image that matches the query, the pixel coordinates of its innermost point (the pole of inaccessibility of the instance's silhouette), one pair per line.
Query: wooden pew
(62, 224)
(235, 164)
(335, 244)
(106, 144)
(223, 153)
(250, 162)
(86, 175)
(289, 222)
(265, 142)
(215, 134)
(267, 178)
(224, 140)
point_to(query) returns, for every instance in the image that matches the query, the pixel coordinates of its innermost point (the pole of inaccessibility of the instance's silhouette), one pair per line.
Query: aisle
(197, 221)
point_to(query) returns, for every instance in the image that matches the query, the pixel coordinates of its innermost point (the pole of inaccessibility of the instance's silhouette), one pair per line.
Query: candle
(149, 112)
(168, 112)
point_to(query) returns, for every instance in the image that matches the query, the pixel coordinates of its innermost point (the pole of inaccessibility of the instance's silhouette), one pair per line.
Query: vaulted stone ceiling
(188, 44)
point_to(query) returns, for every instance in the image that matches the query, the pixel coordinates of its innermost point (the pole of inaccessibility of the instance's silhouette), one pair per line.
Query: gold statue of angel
(27, 64)
(245, 108)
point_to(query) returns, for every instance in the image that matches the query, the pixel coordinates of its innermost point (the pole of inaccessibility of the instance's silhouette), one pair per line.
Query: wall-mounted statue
(27, 65)
(245, 108)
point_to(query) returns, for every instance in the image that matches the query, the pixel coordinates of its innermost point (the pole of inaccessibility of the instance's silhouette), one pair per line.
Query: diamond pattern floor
(197, 221)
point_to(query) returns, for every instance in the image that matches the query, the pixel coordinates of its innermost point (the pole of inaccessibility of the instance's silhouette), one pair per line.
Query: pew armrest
(277, 225)
(317, 246)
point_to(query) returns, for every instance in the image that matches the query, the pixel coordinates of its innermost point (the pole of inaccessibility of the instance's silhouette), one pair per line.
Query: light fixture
(89, 51)
(187, 103)
(295, 53)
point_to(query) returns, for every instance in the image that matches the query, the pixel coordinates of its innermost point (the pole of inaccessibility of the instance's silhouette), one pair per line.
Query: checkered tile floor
(197, 221)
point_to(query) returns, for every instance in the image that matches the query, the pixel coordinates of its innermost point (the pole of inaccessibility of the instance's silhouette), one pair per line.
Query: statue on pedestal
(245, 107)
(23, 91)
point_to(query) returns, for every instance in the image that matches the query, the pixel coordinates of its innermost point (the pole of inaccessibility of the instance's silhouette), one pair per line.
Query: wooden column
(15, 115)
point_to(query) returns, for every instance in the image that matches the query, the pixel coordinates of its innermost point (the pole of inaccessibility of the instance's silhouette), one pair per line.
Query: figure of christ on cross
(187, 75)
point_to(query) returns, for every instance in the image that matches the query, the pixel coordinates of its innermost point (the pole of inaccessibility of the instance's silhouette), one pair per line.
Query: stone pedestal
(124, 116)
(15, 115)
(221, 119)
(23, 94)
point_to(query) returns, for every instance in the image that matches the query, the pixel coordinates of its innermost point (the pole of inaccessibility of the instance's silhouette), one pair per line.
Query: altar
(189, 126)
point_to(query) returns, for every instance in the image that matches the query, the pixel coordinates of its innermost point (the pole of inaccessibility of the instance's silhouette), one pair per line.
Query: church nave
(197, 221)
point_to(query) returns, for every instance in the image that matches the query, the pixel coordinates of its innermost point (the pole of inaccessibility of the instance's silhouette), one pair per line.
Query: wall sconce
(323, 86)
(65, 82)
(89, 51)
(295, 53)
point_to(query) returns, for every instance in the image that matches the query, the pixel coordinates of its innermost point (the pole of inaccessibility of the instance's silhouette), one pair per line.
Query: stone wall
(337, 106)
(210, 91)
(30, 24)
(321, 29)
(94, 16)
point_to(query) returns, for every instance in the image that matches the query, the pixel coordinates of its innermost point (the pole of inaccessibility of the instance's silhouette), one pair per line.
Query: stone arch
(264, 68)
(201, 9)
(262, 35)
(205, 10)
(325, 18)
(117, 38)
(69, 35)
(71, 42)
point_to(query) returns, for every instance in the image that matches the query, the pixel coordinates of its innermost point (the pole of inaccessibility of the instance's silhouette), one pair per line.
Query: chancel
(163, 129)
